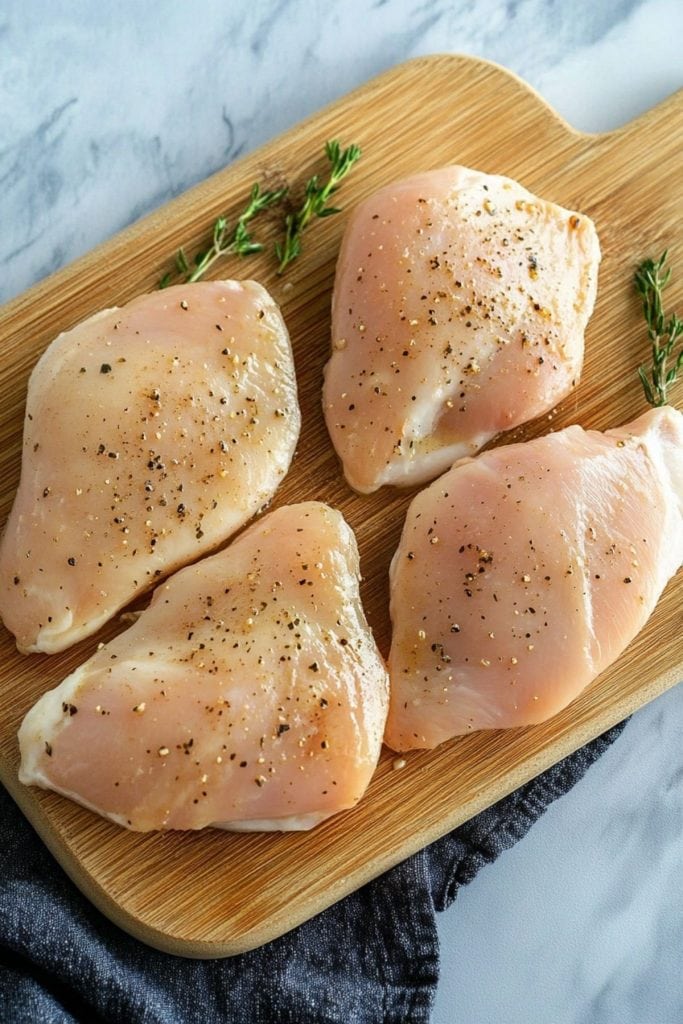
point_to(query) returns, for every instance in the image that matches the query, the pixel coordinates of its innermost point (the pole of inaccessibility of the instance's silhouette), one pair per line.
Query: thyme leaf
(664, 331)
(225, 241)
(316, 196)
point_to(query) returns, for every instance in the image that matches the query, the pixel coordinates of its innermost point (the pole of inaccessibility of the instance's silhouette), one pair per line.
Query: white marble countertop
(111, 109)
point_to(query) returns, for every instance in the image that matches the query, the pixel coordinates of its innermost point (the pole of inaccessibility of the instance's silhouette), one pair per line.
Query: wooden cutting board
(215, 894)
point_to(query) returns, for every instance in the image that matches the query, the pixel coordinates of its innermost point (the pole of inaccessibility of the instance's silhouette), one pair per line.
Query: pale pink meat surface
(459, 309)
(523, 573)
(249, 695)
(152, 433)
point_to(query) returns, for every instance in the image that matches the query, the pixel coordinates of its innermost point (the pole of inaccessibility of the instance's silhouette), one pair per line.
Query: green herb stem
(315, 201)
(225, 241)
(664, 332)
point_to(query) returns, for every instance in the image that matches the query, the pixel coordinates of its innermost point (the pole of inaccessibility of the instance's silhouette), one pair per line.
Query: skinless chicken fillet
(523, 573)
(250, 695)
(459, 307)
(152, 433)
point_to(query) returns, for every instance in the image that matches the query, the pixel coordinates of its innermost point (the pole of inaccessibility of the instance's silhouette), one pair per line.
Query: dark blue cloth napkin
(373, 958)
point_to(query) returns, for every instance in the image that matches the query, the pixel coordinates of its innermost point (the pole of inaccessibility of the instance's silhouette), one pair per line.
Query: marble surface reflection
(109, 110)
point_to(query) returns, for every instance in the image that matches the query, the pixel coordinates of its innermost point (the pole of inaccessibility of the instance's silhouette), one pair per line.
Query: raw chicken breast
(459, 308)
(249, 695)
(522, 574)
(152, 433)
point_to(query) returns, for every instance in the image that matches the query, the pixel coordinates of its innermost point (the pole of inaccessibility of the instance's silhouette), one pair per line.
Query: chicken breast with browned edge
(152, 433)
(460, 303)
(250, 695)
(523, 573)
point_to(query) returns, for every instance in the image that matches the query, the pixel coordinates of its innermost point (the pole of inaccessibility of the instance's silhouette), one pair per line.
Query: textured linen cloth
(373, 958)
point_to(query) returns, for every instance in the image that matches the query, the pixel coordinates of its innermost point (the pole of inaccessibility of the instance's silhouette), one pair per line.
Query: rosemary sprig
(225, 242)
(651, 278)
(315, 201)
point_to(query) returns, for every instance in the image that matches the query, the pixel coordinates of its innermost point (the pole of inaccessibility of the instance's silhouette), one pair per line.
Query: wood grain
(216, 894)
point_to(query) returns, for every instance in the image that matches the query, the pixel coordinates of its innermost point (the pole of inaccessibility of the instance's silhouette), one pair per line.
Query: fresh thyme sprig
(651, 278)
(225, 242)
(315, 201)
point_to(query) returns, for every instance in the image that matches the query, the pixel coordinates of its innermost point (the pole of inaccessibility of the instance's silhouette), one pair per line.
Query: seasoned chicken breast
(250, 695)
(460, 303)
(152, 433)
(523, 573)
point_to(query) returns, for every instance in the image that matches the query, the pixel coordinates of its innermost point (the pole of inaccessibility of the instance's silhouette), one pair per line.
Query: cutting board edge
(156, 217)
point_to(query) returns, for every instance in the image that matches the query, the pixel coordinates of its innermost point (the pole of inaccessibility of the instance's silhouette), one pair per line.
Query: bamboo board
(215, 894)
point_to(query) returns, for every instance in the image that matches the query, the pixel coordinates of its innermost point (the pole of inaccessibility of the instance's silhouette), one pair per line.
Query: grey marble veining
(109, 110)
(584, 917)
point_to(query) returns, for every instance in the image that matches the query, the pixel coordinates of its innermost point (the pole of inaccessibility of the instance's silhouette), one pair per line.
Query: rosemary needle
(315, 201)
(651, 278)
(226, 242)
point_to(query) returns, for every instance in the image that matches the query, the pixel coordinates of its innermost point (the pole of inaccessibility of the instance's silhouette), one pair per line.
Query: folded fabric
(373, 958)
